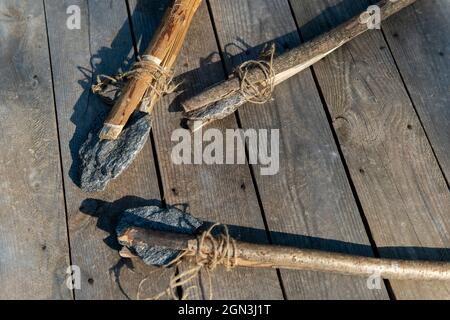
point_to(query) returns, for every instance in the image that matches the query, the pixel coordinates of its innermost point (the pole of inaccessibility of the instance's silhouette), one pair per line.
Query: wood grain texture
(212, 192)
(419, 40)
(401, 188)
(309, 203)
(102, 45)
(34, 250)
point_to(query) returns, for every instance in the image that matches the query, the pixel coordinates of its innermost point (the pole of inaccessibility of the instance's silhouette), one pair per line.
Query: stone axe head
(157, 249)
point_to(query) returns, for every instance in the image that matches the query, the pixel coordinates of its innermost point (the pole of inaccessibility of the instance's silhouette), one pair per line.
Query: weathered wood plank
(420, 42)
(216, 193)
(103, 43)
(34, 250)
(309, 200)
(401, 188)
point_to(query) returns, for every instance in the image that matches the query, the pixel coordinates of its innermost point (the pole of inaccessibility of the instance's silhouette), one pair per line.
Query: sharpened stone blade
(104, 160)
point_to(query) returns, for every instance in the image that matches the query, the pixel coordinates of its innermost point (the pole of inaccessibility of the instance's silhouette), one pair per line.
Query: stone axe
(106, 154)
(254, 80)
(160, 236)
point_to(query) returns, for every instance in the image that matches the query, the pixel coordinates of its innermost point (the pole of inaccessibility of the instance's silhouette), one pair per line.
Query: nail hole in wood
(91, 281)
(362, 171)
(409, 127)
(243, 186)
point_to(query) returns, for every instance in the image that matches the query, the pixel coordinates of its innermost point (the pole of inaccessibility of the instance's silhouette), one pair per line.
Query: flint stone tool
(223, 99)
(153, 217)
(159, 237)
(109, 151)
(104, 160)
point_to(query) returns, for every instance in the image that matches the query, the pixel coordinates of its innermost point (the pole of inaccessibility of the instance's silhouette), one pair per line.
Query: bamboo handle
(282, 257)
(163, 51)
(223, 99)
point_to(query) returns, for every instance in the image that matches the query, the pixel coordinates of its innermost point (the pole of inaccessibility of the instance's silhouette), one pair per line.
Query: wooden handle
(163, 51)
(223, 99)
(281, 257)
(266, 256)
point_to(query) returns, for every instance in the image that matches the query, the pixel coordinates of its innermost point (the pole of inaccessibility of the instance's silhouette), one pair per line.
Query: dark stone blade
(156, 218)
(104, 160)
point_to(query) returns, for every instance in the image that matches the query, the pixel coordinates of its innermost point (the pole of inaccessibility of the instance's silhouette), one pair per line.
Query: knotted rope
(148, 68)
(210, 252)
(258, 92)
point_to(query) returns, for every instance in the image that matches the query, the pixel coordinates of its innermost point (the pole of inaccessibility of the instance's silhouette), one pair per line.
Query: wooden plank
(34, 250)
(102, 44)
(419, 41)
(309, 203)
(400, 186)
(216, 193)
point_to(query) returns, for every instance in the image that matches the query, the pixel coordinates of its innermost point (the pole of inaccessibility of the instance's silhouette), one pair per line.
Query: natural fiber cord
(221, 251)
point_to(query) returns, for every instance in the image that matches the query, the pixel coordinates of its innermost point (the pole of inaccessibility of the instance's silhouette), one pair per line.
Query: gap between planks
(251, 169)
(59, 144)
(343, 160)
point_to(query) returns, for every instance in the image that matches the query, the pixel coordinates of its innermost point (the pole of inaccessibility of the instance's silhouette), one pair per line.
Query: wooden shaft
(271, 256)
(163, 50)
(265, 256)
(223, 99)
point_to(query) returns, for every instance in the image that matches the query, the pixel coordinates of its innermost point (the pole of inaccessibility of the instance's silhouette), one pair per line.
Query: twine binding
(148, 68)
(210, 252)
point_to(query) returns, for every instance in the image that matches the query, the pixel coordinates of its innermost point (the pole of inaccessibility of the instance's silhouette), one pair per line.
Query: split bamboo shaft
(163, 51)
(223, 99)
(281, 257)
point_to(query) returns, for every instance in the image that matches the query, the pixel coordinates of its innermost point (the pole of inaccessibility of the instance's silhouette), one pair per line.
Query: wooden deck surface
(364, 146)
